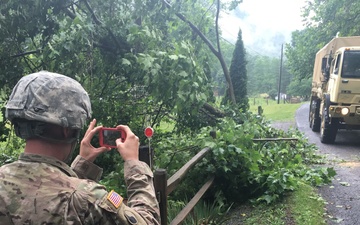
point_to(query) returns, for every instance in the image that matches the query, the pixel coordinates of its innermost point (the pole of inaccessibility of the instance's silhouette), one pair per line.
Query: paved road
(343, 194)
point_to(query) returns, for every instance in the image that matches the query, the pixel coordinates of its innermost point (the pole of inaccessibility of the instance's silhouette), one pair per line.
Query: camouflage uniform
(42, 190)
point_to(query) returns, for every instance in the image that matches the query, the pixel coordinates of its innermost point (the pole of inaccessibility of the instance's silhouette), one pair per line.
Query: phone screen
(108, 137)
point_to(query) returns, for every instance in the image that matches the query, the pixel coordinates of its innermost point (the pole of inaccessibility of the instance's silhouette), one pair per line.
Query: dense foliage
(324, 20)
(151, 66)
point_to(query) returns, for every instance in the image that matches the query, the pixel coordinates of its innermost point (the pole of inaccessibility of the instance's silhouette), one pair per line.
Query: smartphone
(108, 136)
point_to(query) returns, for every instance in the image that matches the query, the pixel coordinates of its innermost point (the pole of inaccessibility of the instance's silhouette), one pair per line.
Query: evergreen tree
(238, 75)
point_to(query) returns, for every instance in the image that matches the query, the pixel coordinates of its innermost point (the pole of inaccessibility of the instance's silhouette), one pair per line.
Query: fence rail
(164, 187)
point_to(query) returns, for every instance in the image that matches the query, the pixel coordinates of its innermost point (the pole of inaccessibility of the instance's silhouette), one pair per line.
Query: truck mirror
(325, 68)
(323, 64)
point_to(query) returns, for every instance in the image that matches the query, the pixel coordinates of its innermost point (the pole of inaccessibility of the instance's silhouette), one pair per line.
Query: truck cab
(343, 86)
(335, 97)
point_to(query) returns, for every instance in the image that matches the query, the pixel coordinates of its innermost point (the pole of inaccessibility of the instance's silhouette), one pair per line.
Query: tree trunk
(216, 52)
(214, 111)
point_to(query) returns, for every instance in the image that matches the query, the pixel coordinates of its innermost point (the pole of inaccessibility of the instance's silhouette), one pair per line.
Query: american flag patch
(115, 198)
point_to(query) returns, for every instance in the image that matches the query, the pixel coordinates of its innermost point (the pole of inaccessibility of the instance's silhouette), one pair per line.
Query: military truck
(335, 93)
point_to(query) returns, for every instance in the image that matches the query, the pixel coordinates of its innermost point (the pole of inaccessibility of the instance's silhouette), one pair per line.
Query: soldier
(48, 110)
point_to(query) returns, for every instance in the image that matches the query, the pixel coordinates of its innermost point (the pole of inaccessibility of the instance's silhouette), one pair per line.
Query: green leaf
(183, 74)
(173, 57)
(346, 184)
(331, 172)
(126, 62)
(210, 144)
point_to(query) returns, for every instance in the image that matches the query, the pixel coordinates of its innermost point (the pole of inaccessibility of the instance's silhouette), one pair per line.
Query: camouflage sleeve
(140, 190)
(86, 169)
(92, 204)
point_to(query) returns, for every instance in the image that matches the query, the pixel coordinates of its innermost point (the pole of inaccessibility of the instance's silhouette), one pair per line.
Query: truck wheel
(314, 115)
(329, 128)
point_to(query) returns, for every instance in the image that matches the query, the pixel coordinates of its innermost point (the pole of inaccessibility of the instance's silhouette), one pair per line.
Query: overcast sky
(265, 24)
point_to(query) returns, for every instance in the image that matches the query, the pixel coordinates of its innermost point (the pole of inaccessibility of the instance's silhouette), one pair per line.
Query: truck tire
(329, 127)
(314, 115)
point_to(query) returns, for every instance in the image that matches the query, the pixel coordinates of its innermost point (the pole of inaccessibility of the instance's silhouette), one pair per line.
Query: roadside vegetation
(268, 183)
(303, 206)
(300, 207)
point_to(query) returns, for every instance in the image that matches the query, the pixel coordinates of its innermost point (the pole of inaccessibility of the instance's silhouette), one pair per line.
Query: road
(343, 194)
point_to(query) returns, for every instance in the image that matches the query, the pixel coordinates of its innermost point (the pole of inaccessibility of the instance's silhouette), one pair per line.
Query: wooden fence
(164, 187)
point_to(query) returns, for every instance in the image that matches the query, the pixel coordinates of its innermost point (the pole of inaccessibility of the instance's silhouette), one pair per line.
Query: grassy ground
(273, 111)
(303, 206)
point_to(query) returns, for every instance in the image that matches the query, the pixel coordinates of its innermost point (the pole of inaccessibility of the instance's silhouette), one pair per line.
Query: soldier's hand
(129, 149)
(88, 151)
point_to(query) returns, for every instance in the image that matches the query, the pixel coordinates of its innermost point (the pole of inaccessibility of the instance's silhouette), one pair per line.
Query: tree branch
(98, 22)
(26, 53)
(217, 53)
(213, 111)
(195, 29)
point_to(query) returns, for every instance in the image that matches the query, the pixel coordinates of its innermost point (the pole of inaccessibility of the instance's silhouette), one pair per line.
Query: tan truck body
(335, 93)
(330, 48)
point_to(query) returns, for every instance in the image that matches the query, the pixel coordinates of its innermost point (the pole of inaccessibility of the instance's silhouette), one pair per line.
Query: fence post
(160, 184)
(146, 155)
(213, 134)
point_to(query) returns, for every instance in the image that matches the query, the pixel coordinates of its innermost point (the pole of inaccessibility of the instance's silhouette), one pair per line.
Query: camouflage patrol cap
(50, 98)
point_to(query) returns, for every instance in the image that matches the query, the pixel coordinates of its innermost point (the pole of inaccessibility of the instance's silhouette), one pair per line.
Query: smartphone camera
(108, 136)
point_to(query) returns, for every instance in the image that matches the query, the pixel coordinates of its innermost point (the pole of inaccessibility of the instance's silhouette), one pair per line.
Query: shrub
(244, 169)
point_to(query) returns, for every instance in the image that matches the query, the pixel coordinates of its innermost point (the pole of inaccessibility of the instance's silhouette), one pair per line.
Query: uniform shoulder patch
(115, 198)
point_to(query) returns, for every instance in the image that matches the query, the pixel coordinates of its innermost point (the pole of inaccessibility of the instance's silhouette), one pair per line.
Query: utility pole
(281, 62)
